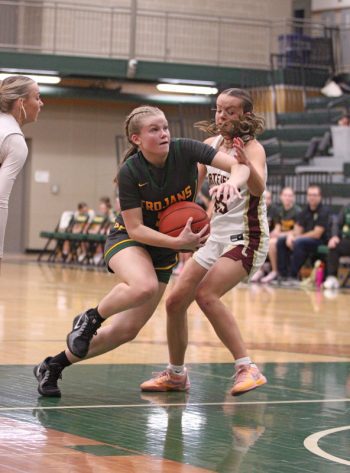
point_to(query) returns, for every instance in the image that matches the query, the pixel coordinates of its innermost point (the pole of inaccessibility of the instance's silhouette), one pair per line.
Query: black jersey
(153, 189)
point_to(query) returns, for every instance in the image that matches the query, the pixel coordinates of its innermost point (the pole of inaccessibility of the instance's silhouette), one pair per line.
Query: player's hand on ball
(190, 241)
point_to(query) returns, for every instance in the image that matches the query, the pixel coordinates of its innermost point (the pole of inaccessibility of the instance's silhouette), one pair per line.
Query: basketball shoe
(85, 326)
(47, 375)
(246, 378)
(167, 381)
(331, 283)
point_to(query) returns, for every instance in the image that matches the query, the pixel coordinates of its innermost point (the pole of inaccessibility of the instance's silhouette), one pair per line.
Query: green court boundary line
(180, 404)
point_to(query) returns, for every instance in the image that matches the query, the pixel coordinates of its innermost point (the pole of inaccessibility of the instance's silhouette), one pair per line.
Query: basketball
(173, 219)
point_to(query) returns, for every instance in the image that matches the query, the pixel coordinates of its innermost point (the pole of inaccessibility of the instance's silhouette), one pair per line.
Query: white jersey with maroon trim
(240, 220)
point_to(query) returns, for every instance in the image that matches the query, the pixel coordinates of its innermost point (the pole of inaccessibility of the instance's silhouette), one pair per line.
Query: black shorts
(163, 259)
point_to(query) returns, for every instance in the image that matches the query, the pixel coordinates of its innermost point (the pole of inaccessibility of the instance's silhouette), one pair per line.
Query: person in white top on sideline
(20, 103)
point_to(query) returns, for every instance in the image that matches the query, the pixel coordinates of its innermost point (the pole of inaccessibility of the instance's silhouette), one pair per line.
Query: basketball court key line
(311, 444)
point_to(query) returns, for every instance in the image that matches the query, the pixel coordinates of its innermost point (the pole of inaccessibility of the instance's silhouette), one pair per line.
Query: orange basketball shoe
(167, 381)
(247, 377)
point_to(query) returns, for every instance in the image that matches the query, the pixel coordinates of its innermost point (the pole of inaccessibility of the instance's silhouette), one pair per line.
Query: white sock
(243, 361)
(177, 369)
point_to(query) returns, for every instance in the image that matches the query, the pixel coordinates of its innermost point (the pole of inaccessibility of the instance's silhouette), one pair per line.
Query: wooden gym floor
(298, 422)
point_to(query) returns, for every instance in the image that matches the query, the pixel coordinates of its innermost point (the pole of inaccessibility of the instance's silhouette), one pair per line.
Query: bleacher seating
(287, 144)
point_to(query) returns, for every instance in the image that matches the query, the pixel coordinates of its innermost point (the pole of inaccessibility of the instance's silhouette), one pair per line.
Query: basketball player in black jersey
(157, 172)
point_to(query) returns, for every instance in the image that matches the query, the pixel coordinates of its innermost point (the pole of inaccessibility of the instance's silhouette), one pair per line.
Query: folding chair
(95, 237)
(73, 246)
(57, 236)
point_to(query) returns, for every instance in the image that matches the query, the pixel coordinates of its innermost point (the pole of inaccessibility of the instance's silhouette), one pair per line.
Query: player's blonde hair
(134, 122)
(11, 89)
(247, 126)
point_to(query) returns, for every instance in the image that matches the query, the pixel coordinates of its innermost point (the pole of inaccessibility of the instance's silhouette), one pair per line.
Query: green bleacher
(309, 118)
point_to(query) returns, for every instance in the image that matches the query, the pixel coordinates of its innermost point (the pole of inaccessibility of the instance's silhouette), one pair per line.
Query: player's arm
(239, 174)
(202, 172)
(187, 240)
(253, 155)
(131, 211)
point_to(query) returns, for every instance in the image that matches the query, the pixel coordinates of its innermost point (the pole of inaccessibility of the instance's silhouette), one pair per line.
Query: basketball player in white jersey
(235, 250)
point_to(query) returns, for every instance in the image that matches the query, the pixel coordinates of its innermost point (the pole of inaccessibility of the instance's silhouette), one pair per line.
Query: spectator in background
(286, 216)
(339, 245)
(319, 145)
(82, 216)
(271, 210)
(309, 232)
(116, 209)
(344, 120)
(105, 209)
(100, 224)
(83, 209)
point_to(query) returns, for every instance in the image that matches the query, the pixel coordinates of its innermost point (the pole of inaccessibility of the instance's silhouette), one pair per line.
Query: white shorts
(252, 256)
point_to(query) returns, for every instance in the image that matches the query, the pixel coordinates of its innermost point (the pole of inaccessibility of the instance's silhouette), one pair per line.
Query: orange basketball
(173, 219)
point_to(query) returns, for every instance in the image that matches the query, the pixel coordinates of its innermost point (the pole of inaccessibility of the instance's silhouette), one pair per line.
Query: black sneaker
(85, 326)
(47, 375)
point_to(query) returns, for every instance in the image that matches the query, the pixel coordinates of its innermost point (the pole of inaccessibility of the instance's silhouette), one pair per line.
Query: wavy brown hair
(247, 126)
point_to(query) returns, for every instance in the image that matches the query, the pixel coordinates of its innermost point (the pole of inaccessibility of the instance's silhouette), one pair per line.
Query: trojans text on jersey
(158, 205)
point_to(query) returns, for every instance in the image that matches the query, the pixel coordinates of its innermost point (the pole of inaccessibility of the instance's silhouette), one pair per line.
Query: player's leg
(175, 376)
(272, 275)
(123, 328)
(181, 296)
(227, 272)
(134, 268)
(222, 277)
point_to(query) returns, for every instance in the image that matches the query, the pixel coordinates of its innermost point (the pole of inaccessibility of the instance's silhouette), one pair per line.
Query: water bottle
(319, 274)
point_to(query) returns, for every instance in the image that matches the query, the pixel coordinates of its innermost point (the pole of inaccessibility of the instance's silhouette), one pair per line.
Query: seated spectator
(318, 146)
(116, 210)
(105, 209)
(83, 209)
(339, 245)
(77, 227)
(321, 145)
(286, 216)
(272, 210)
(309, 232)
(344, 120)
